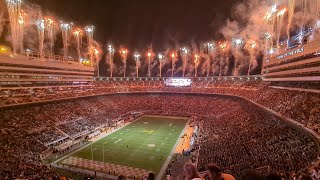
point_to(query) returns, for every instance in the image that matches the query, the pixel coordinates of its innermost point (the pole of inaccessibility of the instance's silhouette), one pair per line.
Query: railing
(232, 78)
(50, 58)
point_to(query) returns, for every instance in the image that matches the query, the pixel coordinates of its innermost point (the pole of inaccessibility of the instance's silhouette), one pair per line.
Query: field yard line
(71, 153)
(166, 117)
(118, 141)
(166, 163)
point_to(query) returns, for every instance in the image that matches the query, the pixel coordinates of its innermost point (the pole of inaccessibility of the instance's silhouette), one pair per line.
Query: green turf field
(148, 139)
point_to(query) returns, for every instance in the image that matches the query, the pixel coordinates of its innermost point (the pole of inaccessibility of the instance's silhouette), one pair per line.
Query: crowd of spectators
(301, 106)
(80, 125)
(248, 138)
(48, 135)
(235, 134)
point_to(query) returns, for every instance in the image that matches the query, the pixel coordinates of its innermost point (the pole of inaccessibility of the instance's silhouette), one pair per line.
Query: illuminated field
(140, 147)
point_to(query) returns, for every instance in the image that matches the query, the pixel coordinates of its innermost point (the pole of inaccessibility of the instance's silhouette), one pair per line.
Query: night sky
(139, 23)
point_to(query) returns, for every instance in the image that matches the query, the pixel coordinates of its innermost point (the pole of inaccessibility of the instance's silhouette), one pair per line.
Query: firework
(251, 47)
(66, 31)
(149, 54)
(96, 54)
(78, 36)
(89, 32)
(184, 53)
(137, 59)
(315, 10)
(237, 44)
(291, 9)
(210, 49)
(223, 47)
(160, 56)
(196, 64)
(40, 27)
(50, 28)
(111, 56)
(17, 22)
(173, 64)
(270, 20)
(124, 55)
(280, 15)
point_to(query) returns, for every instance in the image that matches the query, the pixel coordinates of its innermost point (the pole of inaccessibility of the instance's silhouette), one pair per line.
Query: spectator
(214, 172)
(191, 172)
(251, 174)
(121, 177)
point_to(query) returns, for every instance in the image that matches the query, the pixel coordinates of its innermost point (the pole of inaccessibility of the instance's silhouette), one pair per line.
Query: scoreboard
(178, 82)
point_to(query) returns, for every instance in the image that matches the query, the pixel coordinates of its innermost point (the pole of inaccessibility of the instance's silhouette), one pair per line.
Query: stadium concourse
(233, 132)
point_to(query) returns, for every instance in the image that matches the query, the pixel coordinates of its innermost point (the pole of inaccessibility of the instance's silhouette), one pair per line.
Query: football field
(135, 149)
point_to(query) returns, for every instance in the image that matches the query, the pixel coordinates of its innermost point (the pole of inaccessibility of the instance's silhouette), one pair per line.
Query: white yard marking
(118, 141)
(151, 145)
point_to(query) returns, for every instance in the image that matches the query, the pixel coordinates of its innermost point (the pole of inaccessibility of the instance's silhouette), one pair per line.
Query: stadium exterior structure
(296, 66)
(31, 70)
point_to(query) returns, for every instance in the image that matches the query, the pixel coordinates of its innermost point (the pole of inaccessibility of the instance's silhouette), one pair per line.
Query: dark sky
(139, 23)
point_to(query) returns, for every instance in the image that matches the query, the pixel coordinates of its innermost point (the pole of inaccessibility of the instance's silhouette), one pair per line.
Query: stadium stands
(230, 128)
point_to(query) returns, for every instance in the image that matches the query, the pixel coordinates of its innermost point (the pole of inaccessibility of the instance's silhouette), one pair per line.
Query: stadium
(203, 112)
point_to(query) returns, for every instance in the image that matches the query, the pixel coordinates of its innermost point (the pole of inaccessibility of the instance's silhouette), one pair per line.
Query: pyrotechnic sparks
(50, 28)
(41, 27)
(291, 10)
(149, 54)
(78, 36)
(196, 64)
(209, 51)
(251, 46)
(184, 55)
(16, 16)
(173, 63)
(124, 55)
(272, 18)
(270, 21)
(89, 32)
(137, 59)
(111, 56)
(160, 56)
(279, 25)
(96, 55)
(66, 31)
(223, 46)
(237, 44)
